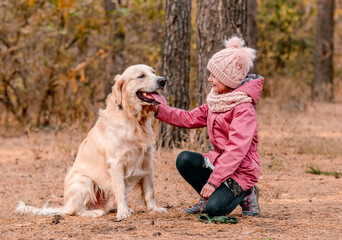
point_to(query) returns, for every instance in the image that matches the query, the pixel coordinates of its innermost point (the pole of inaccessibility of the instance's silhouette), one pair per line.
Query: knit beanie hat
(231, 65)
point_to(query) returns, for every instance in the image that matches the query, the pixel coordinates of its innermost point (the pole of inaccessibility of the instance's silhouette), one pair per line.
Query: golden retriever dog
(117, 153)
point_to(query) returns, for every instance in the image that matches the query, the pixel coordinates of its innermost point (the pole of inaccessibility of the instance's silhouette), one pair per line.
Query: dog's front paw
(123, 213)
(158, 209)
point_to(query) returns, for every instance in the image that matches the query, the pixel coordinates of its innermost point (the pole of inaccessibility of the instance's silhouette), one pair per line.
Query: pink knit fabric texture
(231, 65)
(226, 101)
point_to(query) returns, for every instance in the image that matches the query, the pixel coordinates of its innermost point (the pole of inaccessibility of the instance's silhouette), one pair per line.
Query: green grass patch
(317, 171)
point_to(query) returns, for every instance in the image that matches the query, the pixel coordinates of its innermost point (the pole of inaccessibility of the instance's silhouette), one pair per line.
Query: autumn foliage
(57, 56)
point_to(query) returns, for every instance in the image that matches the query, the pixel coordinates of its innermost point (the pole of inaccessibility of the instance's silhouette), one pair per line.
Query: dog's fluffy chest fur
(132, 144)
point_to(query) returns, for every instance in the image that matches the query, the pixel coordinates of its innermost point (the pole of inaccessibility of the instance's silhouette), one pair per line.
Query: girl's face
(218, 87)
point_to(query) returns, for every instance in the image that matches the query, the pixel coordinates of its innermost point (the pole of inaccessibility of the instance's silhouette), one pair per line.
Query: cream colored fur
(115, 156)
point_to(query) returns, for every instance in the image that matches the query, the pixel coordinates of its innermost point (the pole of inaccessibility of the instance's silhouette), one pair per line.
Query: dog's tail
(44, 211)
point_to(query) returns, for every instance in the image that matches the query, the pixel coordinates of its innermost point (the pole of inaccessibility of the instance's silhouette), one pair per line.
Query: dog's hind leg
(110, 204)
(78, 194)
(92, 213)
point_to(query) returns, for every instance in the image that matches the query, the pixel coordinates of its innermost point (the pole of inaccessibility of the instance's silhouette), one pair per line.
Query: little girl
(226, 176)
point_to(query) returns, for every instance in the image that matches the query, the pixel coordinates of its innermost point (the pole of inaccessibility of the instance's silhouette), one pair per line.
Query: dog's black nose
(161, 81)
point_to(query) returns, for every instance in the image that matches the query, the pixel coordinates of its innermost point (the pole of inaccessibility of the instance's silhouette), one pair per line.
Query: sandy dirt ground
(294, 204)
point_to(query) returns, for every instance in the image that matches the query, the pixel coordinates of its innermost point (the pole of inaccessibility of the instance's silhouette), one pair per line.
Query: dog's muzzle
(161, 82)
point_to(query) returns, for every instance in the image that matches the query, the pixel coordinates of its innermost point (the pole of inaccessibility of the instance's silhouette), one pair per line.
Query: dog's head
(136, 88)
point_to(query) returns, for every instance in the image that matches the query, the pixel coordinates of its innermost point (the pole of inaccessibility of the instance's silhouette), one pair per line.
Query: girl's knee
(184, 156)
(215, 207)
(183, 159)
(187, 159)
(212, 208)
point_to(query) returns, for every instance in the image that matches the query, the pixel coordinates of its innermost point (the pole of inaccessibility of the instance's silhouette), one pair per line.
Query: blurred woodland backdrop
(58, 57)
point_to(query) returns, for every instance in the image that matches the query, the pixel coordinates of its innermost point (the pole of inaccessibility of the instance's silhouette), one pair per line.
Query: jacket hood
(252, 85)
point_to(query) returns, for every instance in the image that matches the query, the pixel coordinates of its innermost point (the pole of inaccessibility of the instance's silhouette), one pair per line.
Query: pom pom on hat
(234, 42)
(231, 65)
(245, 56)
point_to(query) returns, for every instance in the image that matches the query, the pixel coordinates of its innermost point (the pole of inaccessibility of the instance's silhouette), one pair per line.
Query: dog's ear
(117, 89)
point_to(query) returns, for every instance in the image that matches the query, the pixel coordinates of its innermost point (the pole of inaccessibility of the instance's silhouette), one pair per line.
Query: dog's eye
(142, 76)
(154, 72)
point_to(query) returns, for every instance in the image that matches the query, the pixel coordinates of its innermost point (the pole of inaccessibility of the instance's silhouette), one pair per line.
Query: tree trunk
(116, 38)
(324, 50)
(176, 66)
(252, 30)
(216, 21)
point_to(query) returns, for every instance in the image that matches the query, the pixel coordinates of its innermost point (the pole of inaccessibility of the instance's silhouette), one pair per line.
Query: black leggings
(191, 166)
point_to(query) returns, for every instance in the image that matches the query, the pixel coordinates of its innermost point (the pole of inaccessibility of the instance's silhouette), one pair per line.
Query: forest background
(56, 57)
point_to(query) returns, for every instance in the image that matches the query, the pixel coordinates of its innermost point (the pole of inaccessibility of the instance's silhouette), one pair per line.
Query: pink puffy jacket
(232, 133)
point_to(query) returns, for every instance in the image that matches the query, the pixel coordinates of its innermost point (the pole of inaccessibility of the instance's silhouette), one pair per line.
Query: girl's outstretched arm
(196, 118)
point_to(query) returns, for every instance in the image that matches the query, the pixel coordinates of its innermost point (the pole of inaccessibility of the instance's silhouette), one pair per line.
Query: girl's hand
(207, 191)
(154, 108)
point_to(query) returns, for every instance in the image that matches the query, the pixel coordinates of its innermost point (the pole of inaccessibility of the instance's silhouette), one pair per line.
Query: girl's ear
(117, 89)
